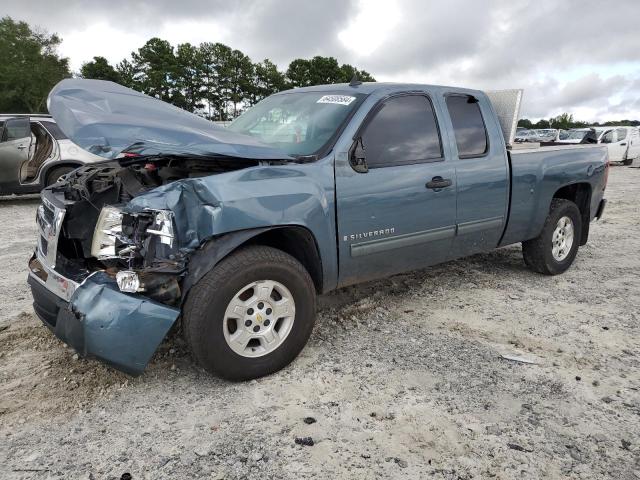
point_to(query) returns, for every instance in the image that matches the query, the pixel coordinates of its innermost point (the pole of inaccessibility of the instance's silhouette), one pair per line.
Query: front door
(15, 145)
(400, 214)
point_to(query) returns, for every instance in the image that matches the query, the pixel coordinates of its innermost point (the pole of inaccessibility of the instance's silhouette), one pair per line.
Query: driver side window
(403, 131)
(608, 137)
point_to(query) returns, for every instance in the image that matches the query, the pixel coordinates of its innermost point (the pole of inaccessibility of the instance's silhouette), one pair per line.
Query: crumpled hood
(108, 119)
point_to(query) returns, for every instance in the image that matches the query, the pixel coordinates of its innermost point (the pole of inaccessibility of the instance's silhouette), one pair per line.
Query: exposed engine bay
(138, 248)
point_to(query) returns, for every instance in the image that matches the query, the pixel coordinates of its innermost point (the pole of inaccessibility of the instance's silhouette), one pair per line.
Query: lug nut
(267, 322)
(256, 328)
(269, 311)
(250, 311)
(247, 323)
(260, 306)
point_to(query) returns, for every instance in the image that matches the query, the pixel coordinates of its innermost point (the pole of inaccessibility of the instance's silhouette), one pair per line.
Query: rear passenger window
(622, 134)
(403, 131)
(468, 125)
(54, 130)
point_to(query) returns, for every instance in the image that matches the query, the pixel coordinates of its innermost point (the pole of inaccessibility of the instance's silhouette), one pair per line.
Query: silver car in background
(34, 153)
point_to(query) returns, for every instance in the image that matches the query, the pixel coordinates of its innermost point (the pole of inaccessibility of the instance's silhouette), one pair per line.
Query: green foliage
(99, 69)
(525, 123)
(29, 67)
(127, 73)
(211, 79)
(156, 69)
(267, 80)
(322, 70)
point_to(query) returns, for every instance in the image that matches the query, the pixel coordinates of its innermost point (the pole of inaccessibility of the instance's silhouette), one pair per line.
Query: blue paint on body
(365, 225)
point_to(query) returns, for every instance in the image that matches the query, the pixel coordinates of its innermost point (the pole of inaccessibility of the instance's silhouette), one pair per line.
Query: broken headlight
(128, 281)
(162, 226)
(108, 229)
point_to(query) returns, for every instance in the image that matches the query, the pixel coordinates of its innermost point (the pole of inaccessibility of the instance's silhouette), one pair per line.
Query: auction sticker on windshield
(336, 99)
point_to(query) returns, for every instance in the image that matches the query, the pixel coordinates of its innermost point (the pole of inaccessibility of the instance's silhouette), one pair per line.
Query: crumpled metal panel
(258, 197)
(121, 329)
(106, 119)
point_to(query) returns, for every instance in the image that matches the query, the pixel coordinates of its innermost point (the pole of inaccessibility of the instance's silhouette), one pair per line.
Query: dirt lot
(403, 378)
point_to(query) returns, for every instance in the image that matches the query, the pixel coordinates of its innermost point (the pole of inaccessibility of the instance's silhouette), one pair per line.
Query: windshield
(573, 134)
(298, 123)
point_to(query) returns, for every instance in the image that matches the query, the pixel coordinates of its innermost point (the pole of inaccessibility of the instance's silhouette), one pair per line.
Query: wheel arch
(46, 169)
(580, 194)
(296, 240)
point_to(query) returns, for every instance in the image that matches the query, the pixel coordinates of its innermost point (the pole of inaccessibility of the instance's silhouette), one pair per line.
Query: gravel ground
(401, 378)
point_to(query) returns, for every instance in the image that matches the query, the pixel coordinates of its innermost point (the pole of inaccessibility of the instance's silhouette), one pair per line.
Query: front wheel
(251, 315)
(554, 250)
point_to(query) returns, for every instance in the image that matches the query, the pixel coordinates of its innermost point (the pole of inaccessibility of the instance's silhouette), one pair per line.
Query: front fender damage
(196, 210)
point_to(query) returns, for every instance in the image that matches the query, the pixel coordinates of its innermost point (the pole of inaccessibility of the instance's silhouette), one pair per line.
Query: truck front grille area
(55, 252)
(49, 219)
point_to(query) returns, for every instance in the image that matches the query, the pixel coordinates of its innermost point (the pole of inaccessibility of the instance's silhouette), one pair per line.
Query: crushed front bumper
(97, 320)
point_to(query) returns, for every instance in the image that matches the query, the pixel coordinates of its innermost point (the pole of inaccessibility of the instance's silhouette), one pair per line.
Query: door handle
(623, 144)
(437, 183)
(21, 147)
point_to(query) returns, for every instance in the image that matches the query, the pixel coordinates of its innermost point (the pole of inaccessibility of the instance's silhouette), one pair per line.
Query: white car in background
(34, 153)
(577, 135)
(547, 134)
(623, 143)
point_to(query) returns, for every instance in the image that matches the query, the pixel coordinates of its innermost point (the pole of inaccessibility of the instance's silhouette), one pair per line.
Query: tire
(539, 253)
(207, 327)
(56, 173)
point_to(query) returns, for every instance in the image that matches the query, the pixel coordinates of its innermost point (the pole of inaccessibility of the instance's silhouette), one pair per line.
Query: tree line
(565, 121)
(211, 79)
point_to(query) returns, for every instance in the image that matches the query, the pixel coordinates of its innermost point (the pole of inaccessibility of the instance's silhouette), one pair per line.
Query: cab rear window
(468, 126)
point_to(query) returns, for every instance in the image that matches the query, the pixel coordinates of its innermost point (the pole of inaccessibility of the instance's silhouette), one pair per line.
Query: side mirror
(357, 157)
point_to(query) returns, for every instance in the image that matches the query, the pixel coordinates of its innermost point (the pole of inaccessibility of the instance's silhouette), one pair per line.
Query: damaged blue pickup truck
(235, 230)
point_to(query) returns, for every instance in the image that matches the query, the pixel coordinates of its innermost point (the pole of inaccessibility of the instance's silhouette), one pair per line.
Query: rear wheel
(54, 175)
(251, 315)
(554, 250)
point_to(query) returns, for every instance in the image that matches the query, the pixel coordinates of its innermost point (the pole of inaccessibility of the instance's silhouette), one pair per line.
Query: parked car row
(35, 153)
(622, 142)
(537, 135)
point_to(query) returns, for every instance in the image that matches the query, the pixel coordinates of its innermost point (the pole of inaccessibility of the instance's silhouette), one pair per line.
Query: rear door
(15, 144)
(616, 143)
(624, 142)
(482, 174)
(400, 214)
(634, 143)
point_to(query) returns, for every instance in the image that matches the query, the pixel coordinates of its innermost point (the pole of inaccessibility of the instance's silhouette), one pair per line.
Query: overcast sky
(581, 57)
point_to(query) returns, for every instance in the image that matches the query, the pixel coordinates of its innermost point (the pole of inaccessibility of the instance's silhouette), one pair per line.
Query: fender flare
(215, 249)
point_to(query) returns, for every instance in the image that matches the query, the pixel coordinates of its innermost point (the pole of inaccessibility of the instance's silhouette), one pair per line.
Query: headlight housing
(162, 226)
(108, 229)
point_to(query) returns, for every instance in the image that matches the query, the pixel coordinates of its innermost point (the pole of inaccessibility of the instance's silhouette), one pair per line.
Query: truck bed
(537, 173)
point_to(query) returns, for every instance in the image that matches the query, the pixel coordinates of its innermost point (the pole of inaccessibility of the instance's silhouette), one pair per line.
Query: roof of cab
(373, 87)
